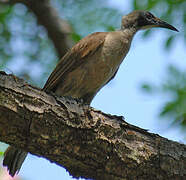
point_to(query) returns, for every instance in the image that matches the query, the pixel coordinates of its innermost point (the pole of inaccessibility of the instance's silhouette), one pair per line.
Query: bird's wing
(74, 58)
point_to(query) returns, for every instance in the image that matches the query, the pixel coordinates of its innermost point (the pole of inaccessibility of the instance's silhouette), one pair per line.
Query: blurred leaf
(169, 107)
(135, 6)
(147, 88)
(4, 11)
(184, 120)
(76, 37)
(110, 28)
(151, 4)
(184, 17)
(147, 33)
(169, 42)
(173, 86)
(1, 153)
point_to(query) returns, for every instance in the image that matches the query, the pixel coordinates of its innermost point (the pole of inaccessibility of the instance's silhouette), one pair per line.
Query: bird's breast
(115, 47)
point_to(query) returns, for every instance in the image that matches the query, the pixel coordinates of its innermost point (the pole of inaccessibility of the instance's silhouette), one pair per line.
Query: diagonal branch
(87, 142)
(59, 30)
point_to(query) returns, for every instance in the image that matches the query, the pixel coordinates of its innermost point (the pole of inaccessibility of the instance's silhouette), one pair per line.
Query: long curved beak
(156, 22)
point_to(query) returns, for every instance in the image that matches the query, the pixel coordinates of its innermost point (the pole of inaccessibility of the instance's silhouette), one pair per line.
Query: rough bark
(59, 31)
(85, 141)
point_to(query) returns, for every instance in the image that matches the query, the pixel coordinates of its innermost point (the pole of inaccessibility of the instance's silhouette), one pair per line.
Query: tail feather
(13, 159)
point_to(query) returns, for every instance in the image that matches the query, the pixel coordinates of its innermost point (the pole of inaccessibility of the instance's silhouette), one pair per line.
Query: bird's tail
(13, 159)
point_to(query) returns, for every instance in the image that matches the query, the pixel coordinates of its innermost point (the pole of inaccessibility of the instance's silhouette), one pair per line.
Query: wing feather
(74, 58)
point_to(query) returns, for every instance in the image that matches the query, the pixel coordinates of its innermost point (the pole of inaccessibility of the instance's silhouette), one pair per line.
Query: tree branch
(85, 141)
(59, 30)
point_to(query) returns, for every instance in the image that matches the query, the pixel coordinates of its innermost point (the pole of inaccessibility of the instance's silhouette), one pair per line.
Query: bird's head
(144, 20)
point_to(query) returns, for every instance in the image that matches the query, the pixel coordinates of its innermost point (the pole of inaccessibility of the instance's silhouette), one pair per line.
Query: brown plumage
(89, 65)
(76, 57)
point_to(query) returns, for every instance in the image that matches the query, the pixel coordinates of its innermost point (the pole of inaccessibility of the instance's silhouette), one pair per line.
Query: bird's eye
(149, 16)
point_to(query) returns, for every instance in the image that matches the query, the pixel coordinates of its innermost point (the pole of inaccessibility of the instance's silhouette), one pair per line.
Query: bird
(89, 65)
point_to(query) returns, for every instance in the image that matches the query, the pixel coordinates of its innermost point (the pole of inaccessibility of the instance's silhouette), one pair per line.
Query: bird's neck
(130, 32)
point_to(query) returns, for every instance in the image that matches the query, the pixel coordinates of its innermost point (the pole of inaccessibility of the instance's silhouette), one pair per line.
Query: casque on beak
(156, 22)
